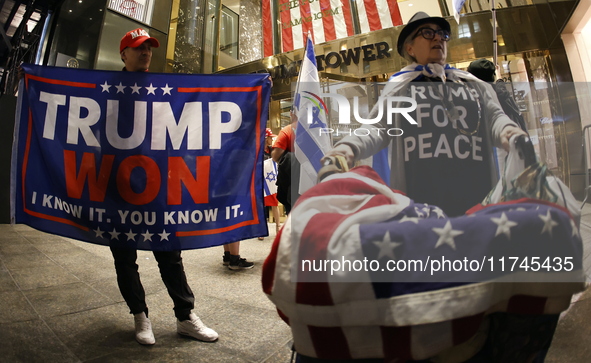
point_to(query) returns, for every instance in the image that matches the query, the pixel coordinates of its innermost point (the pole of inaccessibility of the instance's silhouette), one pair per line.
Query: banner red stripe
(328, 22)
(217, 89)
(60, 82)
(395, 12)
(307, 17)
(267, 29)
(348, 17)
(373, 17)
(286, 31)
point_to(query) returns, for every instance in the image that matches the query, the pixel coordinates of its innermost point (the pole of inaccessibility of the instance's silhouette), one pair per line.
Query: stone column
(250, 35)
(188, 49)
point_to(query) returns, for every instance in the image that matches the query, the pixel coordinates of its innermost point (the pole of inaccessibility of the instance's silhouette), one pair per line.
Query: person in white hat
(446, 158)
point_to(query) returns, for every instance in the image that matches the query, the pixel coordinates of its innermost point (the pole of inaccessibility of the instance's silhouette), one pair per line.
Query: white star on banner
(575, 229)
(406, 218)
(105, 87)
(135, 88)
(166, 90)
(439, 212)
(387, 247)
(421, 215)
(151, 89)
(130, 235)
(114, 234)
(549, 223)
(446, 235)
(503, 225)
(164, 235)
(120, 88)
(147, 236)
(98, 232)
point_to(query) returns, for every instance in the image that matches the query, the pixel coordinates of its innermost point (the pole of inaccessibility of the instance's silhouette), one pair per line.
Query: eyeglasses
(429, 34)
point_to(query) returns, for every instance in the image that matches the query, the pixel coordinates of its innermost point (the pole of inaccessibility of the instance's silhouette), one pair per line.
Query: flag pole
(494, 25)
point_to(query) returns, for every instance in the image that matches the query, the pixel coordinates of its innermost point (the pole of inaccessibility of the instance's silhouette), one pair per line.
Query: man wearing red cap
(136, 52)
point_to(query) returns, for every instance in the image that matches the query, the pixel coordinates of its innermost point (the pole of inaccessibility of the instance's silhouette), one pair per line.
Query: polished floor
(59, 302)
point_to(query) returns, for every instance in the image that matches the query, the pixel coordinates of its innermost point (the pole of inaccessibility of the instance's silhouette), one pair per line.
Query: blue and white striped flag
(311, 144)
(457, 8)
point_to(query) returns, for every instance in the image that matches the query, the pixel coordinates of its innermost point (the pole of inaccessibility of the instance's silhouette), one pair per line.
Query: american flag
(352, 314)
(378, 14)
(324, 20)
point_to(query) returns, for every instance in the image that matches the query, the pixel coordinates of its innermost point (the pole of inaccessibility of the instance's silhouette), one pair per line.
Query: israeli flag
(311, 141)
(457, 8)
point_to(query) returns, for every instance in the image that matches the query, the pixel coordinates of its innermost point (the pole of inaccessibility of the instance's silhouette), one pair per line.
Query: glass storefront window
(229, 32)
(76, 36)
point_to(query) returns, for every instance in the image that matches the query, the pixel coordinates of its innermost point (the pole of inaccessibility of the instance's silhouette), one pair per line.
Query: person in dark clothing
(288, 167)
(136, 53)
(446, 157)
(485, 70)
(288, 176)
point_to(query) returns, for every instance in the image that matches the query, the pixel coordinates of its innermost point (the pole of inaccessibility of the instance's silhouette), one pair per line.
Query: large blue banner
(141, 160)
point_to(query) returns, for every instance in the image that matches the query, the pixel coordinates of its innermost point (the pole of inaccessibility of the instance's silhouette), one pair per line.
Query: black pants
(173, 275)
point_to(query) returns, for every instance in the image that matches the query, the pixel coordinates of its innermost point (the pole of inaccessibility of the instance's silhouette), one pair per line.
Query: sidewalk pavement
(59, 302)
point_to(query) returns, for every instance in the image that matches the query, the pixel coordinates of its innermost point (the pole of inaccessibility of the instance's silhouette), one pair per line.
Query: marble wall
(188, 49)
(251, 37)
(193, 49)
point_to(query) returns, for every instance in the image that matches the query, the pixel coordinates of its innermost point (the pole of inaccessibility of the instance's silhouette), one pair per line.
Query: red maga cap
(135, 38)
(268, 133)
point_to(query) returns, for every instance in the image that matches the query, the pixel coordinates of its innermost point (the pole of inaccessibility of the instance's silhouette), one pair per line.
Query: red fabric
(267, 29)
(395, 12)
(271, 200)
(285, 139)
(333, 320)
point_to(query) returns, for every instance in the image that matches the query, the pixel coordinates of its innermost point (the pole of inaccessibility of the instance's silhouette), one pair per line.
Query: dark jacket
(508, 104)
(288, 178)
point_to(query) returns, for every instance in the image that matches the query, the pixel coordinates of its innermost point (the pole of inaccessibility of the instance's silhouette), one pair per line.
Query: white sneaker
(195, 328)
(143, 329)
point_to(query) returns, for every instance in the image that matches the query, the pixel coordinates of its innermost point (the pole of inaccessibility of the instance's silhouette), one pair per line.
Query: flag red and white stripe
(348, 315)
(267, 28)
(324, 20)
(378, 14)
